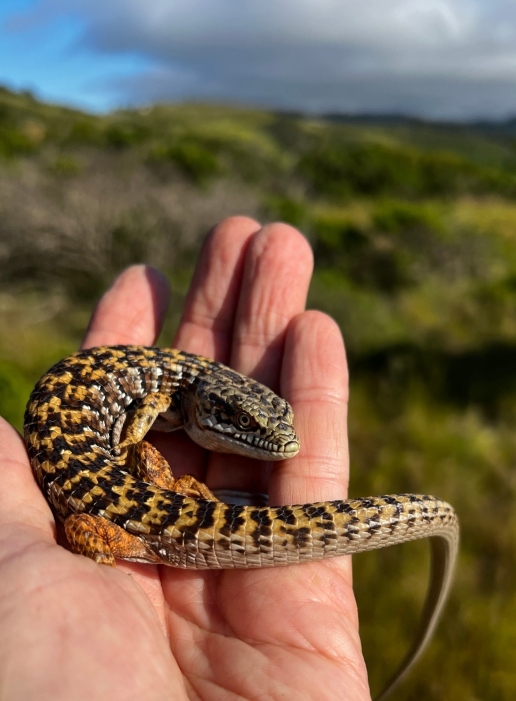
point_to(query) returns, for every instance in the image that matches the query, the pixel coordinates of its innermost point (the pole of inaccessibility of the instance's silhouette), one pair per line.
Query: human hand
(72, 629)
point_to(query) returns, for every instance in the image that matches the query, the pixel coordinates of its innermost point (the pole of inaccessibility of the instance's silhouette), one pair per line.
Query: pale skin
(71, 629)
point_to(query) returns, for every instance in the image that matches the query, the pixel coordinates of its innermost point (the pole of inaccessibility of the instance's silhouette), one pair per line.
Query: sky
(438, 59)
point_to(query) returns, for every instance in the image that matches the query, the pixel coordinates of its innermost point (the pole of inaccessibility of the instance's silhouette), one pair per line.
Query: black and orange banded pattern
(87, 412)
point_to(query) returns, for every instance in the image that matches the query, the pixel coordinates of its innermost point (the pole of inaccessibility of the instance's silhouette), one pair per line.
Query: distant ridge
(386, 119)
(401, 120)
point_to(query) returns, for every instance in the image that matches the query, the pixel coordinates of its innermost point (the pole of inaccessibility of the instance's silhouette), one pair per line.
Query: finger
(314, 379)
(207, 323)
(131, 311)
(276, 277)
(24, 514)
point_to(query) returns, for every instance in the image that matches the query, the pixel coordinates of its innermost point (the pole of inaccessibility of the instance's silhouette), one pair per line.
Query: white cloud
(441, 58)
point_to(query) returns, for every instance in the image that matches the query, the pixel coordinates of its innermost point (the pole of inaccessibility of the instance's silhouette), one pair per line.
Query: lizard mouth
(257, 447)
(249, 444)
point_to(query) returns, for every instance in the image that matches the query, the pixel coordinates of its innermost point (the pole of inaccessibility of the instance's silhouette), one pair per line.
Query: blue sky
(451, 59)
(50, 58)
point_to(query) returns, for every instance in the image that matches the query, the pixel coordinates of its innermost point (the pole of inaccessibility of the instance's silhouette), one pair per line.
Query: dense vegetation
(414, 231)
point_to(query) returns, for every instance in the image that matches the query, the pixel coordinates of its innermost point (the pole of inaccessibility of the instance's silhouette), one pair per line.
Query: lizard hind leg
(191, 487)
(103, 541)
(147, 463)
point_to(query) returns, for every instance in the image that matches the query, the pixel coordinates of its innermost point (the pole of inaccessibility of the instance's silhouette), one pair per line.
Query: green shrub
(126, 135)
(355, 251)
(194, 160)
(338, 234)
(287, 210)
(14, 142)
(360, 169)
(397, 217)
(85, 132)
(343, 170)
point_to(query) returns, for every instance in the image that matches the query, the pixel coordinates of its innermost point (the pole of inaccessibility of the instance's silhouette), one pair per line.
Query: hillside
(413, 226)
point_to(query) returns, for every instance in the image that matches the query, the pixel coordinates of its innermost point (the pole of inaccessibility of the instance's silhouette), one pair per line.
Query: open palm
(71, 629)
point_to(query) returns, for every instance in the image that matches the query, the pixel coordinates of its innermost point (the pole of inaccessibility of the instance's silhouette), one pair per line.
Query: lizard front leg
(151, 406)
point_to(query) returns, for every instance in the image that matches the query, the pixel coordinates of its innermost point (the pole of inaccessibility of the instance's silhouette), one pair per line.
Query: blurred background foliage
(413, 226)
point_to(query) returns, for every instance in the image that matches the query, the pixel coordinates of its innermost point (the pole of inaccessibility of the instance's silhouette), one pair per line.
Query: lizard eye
(243, 420)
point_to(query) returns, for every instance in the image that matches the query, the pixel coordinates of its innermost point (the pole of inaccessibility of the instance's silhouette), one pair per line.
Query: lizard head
(230, 413)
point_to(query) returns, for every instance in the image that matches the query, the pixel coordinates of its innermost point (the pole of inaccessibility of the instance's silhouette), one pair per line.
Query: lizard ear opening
(191, 404)
(204, 436)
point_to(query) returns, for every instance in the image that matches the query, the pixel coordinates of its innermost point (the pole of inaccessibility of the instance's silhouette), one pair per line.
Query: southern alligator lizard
(84, 426)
